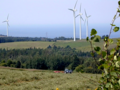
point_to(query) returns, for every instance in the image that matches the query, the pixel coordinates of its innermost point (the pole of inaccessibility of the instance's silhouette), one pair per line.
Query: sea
(52, 31)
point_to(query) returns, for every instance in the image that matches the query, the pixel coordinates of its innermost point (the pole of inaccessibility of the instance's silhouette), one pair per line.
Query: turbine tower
(87, 23)
(80, 14)
(7, 24)
(74, 10)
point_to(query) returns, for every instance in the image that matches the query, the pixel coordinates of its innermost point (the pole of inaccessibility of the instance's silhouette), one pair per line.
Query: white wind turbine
(80, 14)
(74, 10)
(87, 23)
(7, 24)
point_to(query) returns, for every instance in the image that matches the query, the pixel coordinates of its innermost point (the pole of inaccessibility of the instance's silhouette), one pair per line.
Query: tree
(18, 64)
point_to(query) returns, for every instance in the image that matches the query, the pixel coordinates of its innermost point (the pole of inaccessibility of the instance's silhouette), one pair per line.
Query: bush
(3, 64)
(79, 68)
(9, 62)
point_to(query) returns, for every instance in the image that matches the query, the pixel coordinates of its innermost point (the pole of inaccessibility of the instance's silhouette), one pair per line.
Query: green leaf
(93, 32)
(117, 64)
(97, 38)
(115, 57)
(106, 72)
(87, 38)
(116, 29)
(106, 39)
(110, 41)
(97, 48)
(119, 81)
(112, 25)
(112, 51)
(103, 54)
(92, 37)
(108, 85)
(113, 74)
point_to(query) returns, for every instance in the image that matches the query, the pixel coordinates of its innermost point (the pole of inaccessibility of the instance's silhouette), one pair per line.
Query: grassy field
(82, 45)
(28, 44)
(22, 79)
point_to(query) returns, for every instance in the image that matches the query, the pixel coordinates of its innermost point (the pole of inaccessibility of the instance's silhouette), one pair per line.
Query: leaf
(92, 37)
(117, 64)
(112, 25)
(108, 85)
(110, 41)
(115, 57)
(119, 81)
(106, 39)
(116, 29)
(103, 54)
(113, 74)
(97, 38)
(87, 38)
(93, 32)
(112, 51)
(97, 48)
(106, 72)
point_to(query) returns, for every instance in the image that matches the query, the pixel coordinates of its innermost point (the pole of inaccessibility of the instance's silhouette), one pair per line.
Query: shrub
(79, 68)
(109, 63)
(3, 64)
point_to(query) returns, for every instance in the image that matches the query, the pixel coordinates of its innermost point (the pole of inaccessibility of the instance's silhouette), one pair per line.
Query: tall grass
(11, 79)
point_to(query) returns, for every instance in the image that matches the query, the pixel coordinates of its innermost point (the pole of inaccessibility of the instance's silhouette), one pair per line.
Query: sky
(54, 13)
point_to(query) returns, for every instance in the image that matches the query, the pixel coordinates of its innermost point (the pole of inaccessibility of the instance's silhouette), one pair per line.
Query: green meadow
(82, 45)
(31, 79)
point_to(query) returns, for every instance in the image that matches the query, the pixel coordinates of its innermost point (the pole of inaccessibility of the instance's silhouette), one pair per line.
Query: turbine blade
(75, 4)
(82, 18)
(77, 15)
(71, 9)
(80, 7)
(4, 21)
(89, 16)
(85, 13)
(7, 16)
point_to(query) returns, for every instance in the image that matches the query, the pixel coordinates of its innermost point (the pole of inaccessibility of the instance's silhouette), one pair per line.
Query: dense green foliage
(53, 57)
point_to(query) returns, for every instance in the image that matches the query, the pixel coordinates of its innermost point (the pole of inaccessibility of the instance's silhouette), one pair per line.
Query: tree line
(17, 39)
(51, 58)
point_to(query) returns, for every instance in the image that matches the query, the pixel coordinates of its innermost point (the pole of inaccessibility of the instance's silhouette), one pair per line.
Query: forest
(51, 58)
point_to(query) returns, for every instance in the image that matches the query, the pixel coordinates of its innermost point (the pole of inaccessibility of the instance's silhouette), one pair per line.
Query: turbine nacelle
(80, 14)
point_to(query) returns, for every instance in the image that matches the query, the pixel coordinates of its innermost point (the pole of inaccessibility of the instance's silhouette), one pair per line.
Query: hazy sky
(49, 12)
(55, 12)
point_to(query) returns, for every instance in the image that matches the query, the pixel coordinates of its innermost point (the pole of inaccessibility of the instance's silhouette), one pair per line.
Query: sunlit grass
(11, 79)
(25, 44)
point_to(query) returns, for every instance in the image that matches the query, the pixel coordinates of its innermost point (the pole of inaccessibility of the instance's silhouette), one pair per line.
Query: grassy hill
(82, 45)
(31, 79)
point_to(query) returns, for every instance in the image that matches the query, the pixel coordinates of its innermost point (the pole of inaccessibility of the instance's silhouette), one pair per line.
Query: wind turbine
(7, 24)
(87, 23)
(80, 14)
(74, 10)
